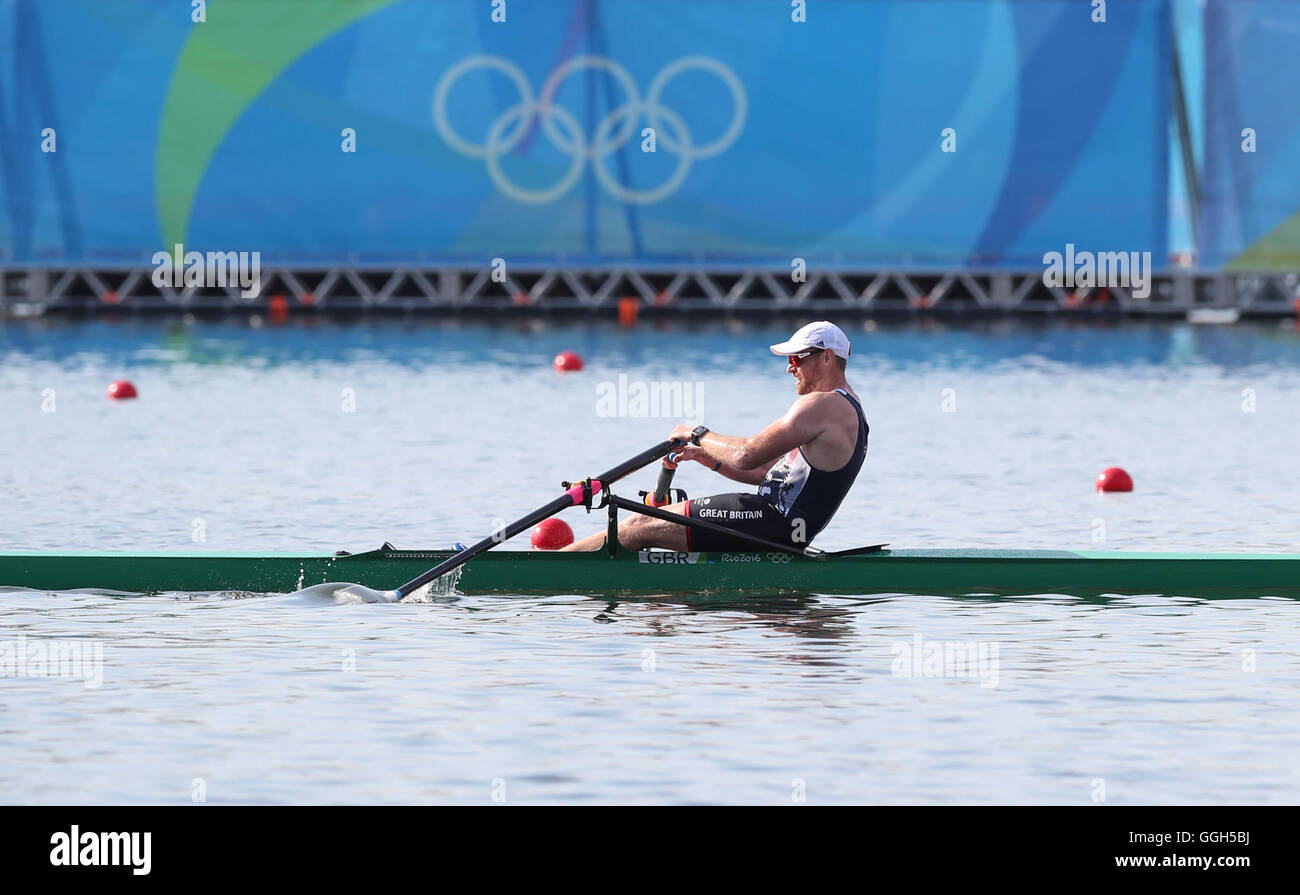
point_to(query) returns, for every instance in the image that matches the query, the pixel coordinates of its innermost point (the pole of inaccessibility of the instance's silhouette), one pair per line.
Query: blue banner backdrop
(528, 139)
(1250, 201)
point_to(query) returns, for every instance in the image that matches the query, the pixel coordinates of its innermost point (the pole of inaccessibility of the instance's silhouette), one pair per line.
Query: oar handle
(665, 483)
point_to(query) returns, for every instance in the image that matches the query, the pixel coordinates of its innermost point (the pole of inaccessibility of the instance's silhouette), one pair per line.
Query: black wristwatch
(698, 433)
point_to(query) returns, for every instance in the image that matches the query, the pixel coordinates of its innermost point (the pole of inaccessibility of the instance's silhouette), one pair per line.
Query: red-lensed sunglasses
(794, 359)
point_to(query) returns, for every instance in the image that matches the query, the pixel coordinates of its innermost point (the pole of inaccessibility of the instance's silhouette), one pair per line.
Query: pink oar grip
(576, 494)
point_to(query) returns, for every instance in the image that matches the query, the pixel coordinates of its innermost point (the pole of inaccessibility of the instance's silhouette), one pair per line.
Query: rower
(803, 464)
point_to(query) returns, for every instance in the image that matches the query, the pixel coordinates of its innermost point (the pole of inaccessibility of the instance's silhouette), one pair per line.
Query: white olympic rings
(565, 131)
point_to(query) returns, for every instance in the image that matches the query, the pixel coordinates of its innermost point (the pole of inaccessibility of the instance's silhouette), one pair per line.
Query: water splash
(444, 586)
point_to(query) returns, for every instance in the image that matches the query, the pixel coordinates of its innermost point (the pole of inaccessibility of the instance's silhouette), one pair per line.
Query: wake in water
(329, 594)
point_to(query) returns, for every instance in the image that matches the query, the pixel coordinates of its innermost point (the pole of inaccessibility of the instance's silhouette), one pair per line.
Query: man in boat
(803, 464)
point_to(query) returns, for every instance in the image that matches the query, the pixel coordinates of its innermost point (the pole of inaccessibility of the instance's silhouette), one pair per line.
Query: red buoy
(1114, 479)
(552, 534)
(121, 390)
(567, 362)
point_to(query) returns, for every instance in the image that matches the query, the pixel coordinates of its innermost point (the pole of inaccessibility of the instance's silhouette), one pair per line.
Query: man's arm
(735, 473)
(704, 458)
(749, 458)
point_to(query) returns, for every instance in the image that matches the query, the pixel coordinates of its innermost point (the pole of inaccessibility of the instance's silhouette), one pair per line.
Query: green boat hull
(937, 572)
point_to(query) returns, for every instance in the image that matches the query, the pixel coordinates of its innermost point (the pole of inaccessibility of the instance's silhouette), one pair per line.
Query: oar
(575, 495)
(665, 483)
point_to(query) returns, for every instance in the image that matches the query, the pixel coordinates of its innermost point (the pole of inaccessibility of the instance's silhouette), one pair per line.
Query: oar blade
(344, 593)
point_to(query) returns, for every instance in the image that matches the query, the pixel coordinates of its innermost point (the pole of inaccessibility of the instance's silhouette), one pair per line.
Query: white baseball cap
(820, 334)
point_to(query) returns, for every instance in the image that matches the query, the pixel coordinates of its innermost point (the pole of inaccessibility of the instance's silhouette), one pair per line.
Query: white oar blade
(347, 594)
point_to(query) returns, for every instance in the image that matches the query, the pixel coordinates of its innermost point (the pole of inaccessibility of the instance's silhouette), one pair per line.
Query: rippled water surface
(325, 437)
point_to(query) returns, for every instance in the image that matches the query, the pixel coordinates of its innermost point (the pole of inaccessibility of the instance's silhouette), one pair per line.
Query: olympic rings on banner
(565, 132)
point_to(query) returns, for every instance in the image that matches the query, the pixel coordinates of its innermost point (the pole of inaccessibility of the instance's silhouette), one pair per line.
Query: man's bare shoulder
(816, 410)
(816, 401)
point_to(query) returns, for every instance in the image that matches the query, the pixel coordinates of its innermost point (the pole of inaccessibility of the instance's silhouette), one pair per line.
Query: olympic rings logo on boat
(565, 131)
(778, 557)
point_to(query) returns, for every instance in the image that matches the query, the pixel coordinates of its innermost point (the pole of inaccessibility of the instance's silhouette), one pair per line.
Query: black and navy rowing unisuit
(795, 498)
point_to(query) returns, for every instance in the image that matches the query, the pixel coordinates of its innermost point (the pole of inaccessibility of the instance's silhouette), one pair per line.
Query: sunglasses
(794, 359)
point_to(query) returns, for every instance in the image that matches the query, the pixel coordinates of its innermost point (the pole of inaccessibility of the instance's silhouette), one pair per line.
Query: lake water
(327, 436)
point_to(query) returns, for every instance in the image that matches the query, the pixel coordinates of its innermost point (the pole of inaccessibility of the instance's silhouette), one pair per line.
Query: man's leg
(637, 532)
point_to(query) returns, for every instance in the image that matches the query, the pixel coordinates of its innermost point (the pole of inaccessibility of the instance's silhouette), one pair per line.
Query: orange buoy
(628, 310)
(567, 362)
(552, 534)
(1114, 479)
(121, 390)
(278, 309)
